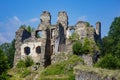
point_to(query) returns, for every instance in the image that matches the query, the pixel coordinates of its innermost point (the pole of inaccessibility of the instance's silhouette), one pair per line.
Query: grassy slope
(62, 70)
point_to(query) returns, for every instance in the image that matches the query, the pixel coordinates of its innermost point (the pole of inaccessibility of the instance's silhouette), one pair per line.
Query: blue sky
(14, 13)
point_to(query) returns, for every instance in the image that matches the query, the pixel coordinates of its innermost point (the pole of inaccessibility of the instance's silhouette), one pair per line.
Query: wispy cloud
(16, 18)
(2, 39)
(82, 18)
(10, 26)
(34, 20)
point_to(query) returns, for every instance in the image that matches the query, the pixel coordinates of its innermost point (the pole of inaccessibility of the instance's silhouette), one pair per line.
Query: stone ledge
(92, 73)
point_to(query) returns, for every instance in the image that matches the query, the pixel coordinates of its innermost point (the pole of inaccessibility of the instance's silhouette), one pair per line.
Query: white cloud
(8, 29)
(34, 20)
(16, 18)
(10, 26)
(82, 18)
(15, 21)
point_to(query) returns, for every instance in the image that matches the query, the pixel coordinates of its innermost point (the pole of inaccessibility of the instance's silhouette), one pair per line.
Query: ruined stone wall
(21, 35)
(34, 54)
(88, 59)
(92, 73)
(63, 24)
(54, 39)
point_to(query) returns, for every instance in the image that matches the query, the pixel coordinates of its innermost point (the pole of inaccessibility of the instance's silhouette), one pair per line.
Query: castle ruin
(50, 39)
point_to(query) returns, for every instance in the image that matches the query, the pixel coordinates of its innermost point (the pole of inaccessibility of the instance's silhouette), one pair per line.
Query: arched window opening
(72, 31)
(27, 50)
(39, 34)
(38, 49)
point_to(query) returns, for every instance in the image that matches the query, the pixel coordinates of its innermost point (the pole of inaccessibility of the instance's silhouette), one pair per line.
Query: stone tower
(45, 27)
(45, 18)
(63, 18)
(63, 24)
(98, 29)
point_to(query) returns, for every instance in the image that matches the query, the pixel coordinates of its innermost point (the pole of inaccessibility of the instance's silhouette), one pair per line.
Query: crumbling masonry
(50, 39)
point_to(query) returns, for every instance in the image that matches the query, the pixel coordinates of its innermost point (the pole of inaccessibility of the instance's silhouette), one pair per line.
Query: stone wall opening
(38, 49)
(27, 50)
(39, 34)
(72, 31)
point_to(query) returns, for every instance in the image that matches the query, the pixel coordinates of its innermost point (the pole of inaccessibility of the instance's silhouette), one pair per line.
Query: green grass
(62, 70)
(22, 73)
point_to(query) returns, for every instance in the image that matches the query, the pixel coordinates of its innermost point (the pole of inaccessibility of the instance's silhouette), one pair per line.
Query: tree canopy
(111, 47)
(111, 43)
(9, 50)
(28, 28)
(3, 65)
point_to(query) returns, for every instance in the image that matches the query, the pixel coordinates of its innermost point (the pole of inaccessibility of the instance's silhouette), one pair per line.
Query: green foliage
(77, 48)
(87, 47)
(11, 53)
(109, 61)
(28, 61)
(62, 68)
(4, 66)
(106, 42)
(25, 73)
(111, 47)
(21, 64)
(9, 50)
(114, 38)
(4, 76)
(74, 37)
(3, 62)
(25, 63)
(87, 24)
(28, 28)
(115, 29)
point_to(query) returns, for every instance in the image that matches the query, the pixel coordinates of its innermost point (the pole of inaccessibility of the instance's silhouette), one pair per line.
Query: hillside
(69, 68)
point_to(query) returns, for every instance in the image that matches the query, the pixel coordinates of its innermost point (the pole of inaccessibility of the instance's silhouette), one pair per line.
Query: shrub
(77, 48)
(87, 47)
(21, 64)
(4, 65)
(4, 76)
(109, 62)
(87, 24)
(74, 37)
(28, 61)
(25, 63)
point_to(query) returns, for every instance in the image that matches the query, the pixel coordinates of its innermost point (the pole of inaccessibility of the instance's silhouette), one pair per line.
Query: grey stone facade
(50, 39)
